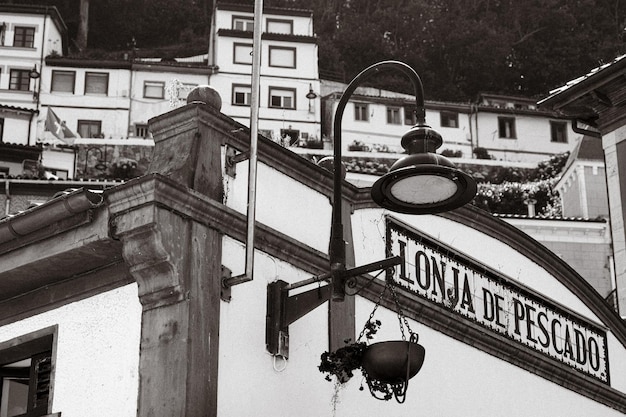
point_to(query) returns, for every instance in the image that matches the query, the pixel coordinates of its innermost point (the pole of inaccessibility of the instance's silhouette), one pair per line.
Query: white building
(289, 110)
(27, 35)
(504, 128)
(124, 310)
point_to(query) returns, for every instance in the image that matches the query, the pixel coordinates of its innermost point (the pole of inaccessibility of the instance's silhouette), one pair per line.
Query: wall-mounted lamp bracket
(232, 158)
(224, 289)
(283, 309)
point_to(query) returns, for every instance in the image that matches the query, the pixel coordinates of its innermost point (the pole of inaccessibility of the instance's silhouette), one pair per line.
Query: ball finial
(205, 94)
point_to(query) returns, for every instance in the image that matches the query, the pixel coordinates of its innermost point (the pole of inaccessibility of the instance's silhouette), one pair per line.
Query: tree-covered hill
(459, 47)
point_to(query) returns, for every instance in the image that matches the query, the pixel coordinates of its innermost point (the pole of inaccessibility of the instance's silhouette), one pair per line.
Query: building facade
(129, 293)
(504, 128)
(594, 103)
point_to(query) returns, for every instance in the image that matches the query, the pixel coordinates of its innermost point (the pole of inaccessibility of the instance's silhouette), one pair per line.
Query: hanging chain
(402, 320)
(369, 320)
(401, 317)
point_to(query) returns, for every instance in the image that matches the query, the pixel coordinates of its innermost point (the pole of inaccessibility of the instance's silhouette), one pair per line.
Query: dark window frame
(142, 130)
(38, 347)
(24, 36)
(238, 45)
(446, 116)
(57, 73)
(270, 20)
(410, 118)
(97, 74)
(393, 115)
(82, 123)
(558, 132)
(284, 48)
(282, 106)
(246, 19)
(361, 112)
(506, 128)
(247, 95)
(19, 78)
(160, 84)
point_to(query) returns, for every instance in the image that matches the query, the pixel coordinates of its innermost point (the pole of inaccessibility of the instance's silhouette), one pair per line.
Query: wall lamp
(421, 183)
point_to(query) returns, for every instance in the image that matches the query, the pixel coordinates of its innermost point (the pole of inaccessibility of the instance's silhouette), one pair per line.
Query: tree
(83, 25)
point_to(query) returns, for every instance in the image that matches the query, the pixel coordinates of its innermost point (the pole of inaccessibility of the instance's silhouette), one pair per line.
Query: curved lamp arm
(337, 248)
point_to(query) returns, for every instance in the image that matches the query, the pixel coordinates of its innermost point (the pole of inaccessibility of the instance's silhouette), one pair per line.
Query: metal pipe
(254, 136)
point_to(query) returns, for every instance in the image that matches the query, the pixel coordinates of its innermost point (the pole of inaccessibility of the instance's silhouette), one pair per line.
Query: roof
(18, 109)
(249, 7)
(576, 85)
(51, 11)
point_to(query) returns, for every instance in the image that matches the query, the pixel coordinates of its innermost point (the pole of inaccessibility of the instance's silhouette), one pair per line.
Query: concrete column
(614, 144)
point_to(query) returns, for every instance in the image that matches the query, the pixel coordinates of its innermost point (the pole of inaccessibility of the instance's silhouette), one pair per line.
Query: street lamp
(421, 183)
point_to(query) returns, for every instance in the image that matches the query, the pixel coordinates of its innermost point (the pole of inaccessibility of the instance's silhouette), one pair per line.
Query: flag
(58, 128)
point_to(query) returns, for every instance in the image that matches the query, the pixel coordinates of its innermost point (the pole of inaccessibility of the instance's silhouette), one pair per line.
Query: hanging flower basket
(386, 366)
(393, 361)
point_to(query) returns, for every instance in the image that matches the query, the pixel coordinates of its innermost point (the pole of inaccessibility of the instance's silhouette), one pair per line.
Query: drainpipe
(254, 136)
(212, 36)
(7, 193)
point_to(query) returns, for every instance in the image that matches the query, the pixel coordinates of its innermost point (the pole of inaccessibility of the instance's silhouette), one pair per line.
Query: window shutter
(39, 390)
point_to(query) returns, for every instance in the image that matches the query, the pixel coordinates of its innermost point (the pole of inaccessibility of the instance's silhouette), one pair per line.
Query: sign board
(476, 292)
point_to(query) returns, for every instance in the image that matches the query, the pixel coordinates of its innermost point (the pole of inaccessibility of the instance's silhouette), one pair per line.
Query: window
(243, 23)
(242, 95)
(361, 112)
(184, 89)
(449, 119)
(141, 130)
(97, 83)
(409, 115)
(20, 80)
(24, 37)
(26, 375)
(289, 137)
(506, 127)
(90, 128)
(282, 57)
(280, 26)
(393, 115)
(282, 98)
(153, 89)
(63, 81)
(242, 53)
(3, 31)
(558, 132)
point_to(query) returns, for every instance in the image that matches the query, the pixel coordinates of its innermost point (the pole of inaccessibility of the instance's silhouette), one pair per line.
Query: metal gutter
(59, 208)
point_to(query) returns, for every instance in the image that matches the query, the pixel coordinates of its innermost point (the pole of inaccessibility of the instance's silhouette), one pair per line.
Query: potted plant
(386, 366)
(344, 361)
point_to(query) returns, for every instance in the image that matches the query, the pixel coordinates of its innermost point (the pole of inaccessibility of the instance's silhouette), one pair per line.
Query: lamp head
(423, 182)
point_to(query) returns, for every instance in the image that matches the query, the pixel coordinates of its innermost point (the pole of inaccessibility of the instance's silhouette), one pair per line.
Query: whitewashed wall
(97, 356)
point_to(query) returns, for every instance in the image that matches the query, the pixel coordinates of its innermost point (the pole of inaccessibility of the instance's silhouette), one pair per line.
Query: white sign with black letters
(443, 276)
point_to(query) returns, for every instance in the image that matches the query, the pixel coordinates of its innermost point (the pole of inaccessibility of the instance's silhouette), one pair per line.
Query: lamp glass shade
(423, 189)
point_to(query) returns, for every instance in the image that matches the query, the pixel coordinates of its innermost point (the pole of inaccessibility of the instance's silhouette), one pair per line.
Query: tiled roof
(581, 80)
(552, 218)
(18, 109)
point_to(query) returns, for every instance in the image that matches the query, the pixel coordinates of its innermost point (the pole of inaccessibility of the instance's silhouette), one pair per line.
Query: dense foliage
(501, 189)
(459, 47)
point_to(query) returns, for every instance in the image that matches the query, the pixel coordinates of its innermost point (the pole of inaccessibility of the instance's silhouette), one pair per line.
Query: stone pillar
(176, 263)
(176, 260)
